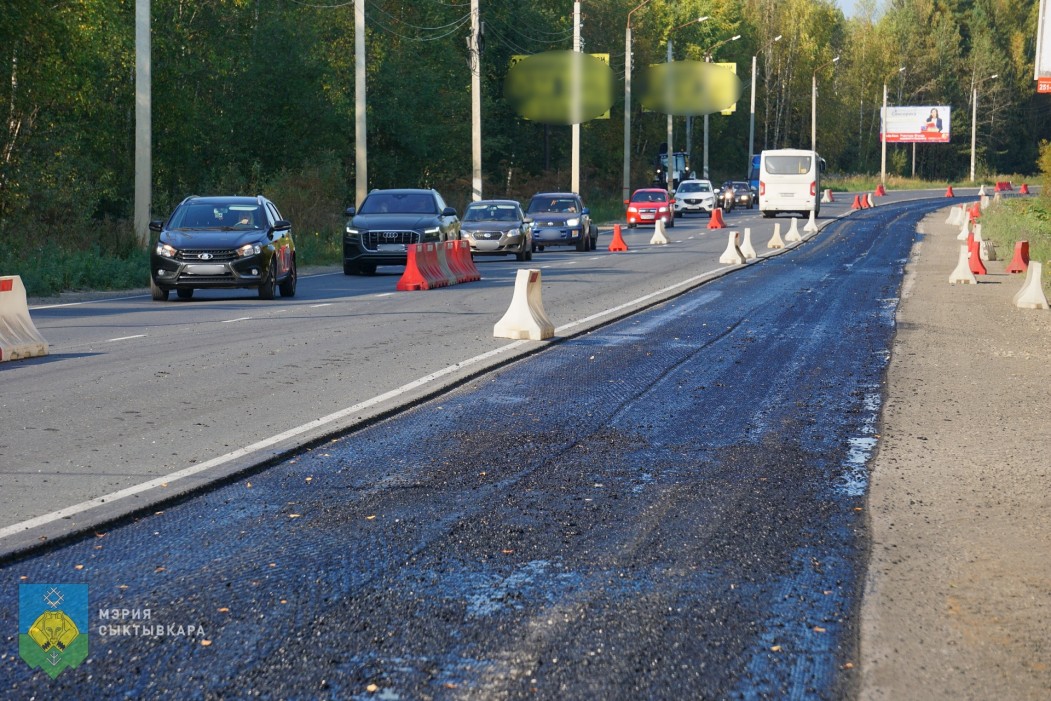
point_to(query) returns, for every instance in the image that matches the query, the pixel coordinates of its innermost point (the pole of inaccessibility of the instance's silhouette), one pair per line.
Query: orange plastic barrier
(975, 259)
(949, 192)
(716, 222)
(1020, 262)
(856, 204)
(617, 244)
(880, 190)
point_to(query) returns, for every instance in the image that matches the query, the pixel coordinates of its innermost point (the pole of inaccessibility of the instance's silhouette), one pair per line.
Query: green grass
(868, 183)
(1021, 219)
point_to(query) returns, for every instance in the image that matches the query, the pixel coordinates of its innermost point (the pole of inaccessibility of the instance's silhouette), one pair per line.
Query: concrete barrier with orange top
(19, 337)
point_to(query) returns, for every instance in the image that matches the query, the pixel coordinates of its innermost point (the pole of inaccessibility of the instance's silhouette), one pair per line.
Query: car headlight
(663, 209)
(514, 232)
(434, 232)
(352, 232)
(573, 222)
(249, 249)
(165, 250)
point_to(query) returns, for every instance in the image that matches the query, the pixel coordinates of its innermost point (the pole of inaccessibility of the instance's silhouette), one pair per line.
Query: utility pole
(475, 53)
(143, 123)
(669, 179)
(575, 97)
(361, 174)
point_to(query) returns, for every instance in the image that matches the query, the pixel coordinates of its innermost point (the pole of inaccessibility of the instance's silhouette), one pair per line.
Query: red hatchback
(649, 204)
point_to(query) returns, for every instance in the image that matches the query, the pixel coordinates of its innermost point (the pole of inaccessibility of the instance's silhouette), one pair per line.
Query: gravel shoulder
(958, 593)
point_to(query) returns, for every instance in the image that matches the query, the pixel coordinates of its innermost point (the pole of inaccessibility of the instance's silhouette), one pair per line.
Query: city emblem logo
(53, 626)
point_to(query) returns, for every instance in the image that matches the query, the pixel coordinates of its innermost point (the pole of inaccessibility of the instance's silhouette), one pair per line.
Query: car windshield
(399, 203)
(491, 212)
(648, 196)
(198, 215)
(565, 205)
(695, 187)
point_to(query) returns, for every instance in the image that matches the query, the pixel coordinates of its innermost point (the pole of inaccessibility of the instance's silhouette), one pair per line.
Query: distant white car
(694, 196)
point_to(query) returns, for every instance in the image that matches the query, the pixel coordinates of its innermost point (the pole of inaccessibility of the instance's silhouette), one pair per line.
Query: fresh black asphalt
(669, 507)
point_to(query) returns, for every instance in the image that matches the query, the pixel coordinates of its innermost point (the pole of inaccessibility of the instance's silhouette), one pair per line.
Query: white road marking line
(88, 301)
(240, 318)
(326, 304)
(385, 294)
(126, 338)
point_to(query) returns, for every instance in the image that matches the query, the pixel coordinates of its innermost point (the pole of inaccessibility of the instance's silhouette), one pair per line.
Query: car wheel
(523, 254)
(678, 214)
(268, 287)
(529, 254)
(351, 269)
(184, 292)
(582, 244)
(370, 268)
(767, 215)
(159, 294)
(288, 285)
(671, 223)
(631, 225)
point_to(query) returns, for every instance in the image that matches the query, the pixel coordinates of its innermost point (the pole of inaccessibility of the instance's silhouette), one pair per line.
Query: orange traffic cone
(617, 244)
(1024, 190)
(948, 192)
(716, 221)
(864, 200)
(880, 190)
(856, 204)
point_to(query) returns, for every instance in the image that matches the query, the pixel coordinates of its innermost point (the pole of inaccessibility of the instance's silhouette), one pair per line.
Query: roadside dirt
(958, 594)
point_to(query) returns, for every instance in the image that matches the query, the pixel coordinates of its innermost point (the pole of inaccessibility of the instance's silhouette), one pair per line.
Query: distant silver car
(498, 228)
(694, 196)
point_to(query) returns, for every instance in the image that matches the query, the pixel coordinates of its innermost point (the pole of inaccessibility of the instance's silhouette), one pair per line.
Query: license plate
(398, 247)
(205, 269)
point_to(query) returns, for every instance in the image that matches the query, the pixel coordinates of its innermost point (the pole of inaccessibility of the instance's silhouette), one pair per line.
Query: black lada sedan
(388, 221)
(223, 242)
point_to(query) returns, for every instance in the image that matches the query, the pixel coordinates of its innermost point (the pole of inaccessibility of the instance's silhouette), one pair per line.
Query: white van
(790, 181)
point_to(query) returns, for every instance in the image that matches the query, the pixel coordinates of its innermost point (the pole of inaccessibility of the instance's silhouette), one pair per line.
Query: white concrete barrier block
(732, 255)
(983, 202)
(793, 232)
(19, 337)
(746, 246)
(776, 240)
(525, 318)
(962, 273)
(965, 229)
(1031, 296)
(659, 238)
(981, 191)
(811, 225)
(954, 216)
(869, 201)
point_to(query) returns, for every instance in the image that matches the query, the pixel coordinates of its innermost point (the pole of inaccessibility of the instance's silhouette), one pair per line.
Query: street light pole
(813, 104)
(974, 116)
(627, 101)
(361, 175)
(751, 118)
(668, 174)
(708, 59)
(883, 135)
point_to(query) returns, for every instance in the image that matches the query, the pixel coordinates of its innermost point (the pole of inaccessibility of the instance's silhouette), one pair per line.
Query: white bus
(790, 181)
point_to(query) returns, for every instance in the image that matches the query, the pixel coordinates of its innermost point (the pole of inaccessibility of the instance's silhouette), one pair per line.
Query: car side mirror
(282, 225)
(349, 212)
(627, 201)
(448, 212)
(585, 211)
(156, 225)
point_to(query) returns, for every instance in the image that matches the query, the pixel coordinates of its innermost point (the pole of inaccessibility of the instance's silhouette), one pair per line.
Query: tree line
(258, 95)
